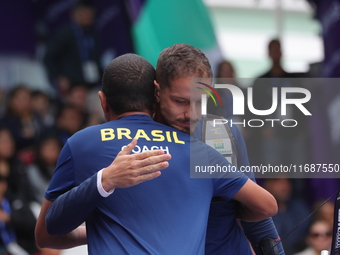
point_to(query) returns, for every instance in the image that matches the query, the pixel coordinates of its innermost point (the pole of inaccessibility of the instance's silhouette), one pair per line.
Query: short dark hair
(180, 61)
(128, 84)
(12, 94)
(82, 4)
(273, 41)
(63, 107)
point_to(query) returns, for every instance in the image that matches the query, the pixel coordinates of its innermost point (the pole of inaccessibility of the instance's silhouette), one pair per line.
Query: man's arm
(256, 203)
(64, 217)
(44, 240)
(255, 231)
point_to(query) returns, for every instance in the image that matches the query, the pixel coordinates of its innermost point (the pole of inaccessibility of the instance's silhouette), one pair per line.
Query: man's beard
(189, 130)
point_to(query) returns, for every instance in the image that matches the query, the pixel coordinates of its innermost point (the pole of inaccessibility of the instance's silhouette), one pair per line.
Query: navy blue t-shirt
(167, 215)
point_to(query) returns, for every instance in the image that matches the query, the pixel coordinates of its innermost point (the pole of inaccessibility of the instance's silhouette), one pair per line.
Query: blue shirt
(219, 239)
(167, 215)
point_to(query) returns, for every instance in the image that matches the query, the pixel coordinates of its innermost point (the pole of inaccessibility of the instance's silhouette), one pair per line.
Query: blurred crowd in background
(52, 55)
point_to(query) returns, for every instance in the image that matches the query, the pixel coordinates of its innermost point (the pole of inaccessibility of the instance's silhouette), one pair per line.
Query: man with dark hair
(140, 95)
(167, 215)
(129, 170)
(72, 55)
(177, 67)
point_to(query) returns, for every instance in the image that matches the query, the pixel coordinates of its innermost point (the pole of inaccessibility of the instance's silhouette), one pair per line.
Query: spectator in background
(80, 96)
(72, 56)
(7, 235)
(40, 172)
(280, 145)
(325, 212)
(69, 119)
(226, 71)
(17, 214)
(7, 150)
(18, 193)
(8, 241)
(275, 55)
(291, 212)
(319, 238)
(43, 107)
(20, 119)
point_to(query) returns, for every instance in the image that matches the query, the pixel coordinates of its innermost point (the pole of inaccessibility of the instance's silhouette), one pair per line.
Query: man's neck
(277, 69)
(117, 117)
(158, 116)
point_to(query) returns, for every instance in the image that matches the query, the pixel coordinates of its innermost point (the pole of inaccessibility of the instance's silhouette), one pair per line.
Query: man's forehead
(189, 87)
(189, 81)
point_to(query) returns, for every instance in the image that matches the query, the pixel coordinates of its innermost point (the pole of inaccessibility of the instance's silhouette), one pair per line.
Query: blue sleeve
(198, 130)
(71, 209)
(228, 184)
(63, 178)
(254, 231)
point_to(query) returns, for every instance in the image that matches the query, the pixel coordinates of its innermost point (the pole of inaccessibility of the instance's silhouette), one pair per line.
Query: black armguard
(268, 246)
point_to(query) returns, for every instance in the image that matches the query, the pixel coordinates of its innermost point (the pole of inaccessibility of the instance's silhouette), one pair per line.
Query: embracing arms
(71, 208)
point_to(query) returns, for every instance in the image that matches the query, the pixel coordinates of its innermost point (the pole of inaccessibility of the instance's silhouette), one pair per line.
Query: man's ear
(103, 102)
(157, 91)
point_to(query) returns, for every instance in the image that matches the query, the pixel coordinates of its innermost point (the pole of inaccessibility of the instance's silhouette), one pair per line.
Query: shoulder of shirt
(208, 149)
(116, 124)
(233, 128)
(86, 131)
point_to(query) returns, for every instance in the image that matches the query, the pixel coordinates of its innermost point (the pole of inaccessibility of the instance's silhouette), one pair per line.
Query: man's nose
(194, 112)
